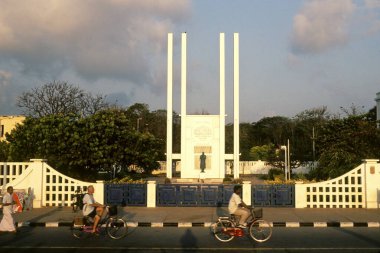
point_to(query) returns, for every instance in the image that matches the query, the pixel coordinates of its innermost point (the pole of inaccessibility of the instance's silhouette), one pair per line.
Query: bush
(275, 173)
(127, 179)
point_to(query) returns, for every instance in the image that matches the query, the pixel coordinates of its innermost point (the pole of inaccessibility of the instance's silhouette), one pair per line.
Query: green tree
(4, 151)
(274, 130)
(246, 140)
(306, 127)
(343, 143)
(261, 152)
(81, 147)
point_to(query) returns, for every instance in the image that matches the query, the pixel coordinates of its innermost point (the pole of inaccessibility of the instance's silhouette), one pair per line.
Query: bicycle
(260, 230)
(115, 227)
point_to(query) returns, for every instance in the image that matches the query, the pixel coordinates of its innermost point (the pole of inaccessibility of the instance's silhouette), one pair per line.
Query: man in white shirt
(92, 208)
(7, 223)
(237, 207)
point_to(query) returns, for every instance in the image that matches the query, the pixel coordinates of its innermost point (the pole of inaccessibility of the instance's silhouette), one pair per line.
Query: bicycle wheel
(116, 228)
(77, 231)
(223, 230)
(260, 230)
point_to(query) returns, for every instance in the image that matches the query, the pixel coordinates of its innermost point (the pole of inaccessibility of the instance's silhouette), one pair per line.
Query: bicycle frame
(115, 227)
(225, 228)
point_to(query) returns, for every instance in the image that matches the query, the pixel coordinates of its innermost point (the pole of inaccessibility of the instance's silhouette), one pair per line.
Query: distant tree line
(81, 135)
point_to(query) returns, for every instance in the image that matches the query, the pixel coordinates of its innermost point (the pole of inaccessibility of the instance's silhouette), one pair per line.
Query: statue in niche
(203, 161)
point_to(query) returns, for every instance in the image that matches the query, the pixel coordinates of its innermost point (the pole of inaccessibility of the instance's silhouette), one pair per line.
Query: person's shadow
(188, 240)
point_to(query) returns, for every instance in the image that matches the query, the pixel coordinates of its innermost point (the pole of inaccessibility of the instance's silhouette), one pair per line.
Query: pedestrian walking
(7, 223)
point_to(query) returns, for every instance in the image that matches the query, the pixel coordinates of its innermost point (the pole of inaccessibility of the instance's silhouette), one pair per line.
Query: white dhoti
(7, 223)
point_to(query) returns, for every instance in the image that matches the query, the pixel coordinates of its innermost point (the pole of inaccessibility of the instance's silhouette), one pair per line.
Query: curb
(342, 224)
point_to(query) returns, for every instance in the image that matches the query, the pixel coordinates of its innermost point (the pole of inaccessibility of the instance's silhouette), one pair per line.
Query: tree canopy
(59, 98)
(344, 143)
(81, 147)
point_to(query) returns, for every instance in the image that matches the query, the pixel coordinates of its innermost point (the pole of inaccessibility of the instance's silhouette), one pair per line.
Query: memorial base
(202, 175)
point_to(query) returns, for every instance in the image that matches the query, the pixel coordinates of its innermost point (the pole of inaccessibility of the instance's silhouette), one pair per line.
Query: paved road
(203, 215)
(195, 239)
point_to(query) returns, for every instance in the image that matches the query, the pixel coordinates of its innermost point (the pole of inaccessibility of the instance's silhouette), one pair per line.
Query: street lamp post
(289, 167)
(286, 161)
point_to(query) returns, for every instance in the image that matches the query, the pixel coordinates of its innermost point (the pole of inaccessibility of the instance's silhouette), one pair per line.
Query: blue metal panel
(273, 195)
(210, 195)
(125, 194)
(166, 195)
(261, 195)
(114, 194)
(193, 195)
(188, 195)
(284, 195)
(137, 194)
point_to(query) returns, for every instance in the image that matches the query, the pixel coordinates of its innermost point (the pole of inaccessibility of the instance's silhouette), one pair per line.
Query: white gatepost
(301, 196)
(151, 194)
(372, 183)
(99, 191)
(37, 182)
(247, 192)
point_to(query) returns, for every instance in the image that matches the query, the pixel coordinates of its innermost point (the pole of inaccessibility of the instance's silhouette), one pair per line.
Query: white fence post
(247, 192)
(372, 182)
(99, 191)
(38, 182)
(300, 193)
(151, 194)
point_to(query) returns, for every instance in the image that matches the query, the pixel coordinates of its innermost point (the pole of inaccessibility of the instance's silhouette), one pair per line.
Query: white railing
(351, 190)
(9, 171)
(48, 187)
(59, 189)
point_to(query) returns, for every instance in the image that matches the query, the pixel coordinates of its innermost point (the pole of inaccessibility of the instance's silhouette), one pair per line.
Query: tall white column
(222, 105)
(236, 106)
(183, 100)
(183, 73)
(169, 109)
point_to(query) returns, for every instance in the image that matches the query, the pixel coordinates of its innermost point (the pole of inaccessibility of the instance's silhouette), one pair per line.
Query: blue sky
(294, 55)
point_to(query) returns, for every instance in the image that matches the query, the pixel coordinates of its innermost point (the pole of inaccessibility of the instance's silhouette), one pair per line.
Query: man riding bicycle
(237, 207)
(91, 208)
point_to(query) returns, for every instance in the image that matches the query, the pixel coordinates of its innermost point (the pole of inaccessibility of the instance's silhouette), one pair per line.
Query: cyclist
(92, 208)
(237, 207)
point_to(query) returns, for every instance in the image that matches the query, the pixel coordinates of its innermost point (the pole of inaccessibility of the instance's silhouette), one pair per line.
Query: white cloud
(372, 4)
(95, 39)
(321, 25)
(371, 7)
(5, 78)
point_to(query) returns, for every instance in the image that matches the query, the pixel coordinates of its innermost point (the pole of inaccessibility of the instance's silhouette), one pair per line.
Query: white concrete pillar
(38, 186)
(99, 191)
(300, 195)
(169, 109)
(236, 107)
(183, 73)
(151, 194)
(247, 192)
(183, 100)
(372, 179)
(222, 105)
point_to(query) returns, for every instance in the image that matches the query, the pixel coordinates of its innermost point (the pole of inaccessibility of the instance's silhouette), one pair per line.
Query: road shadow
(188, 240)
